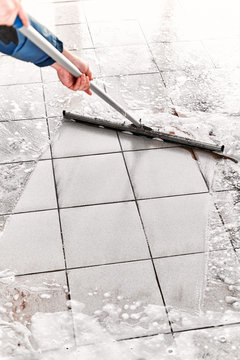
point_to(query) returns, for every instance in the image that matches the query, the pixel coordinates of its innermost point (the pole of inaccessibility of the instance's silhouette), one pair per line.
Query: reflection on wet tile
(22, 102)
(123, 60)
(14, 71)
(182, 280)
(88, 55)
(116, 33)
(228, 204)
(139, 92)
(103, 234)
(180, 55)
(74, 139)
(119, 296)
(39, 192)
(32, 243)
(92, 180)
(205, 91)
(13, 178)
(22, 140)
(176, 225)
(74, 36)
(159, 173)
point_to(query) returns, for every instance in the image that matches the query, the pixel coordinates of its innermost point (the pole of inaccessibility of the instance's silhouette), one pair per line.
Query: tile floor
(104, 211)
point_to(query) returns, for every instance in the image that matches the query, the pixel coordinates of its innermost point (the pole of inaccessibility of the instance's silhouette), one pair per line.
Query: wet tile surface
(39, 193)
(116, 33)
(124, 60)
(113, 286)
(32, 243)
(139, 92)
(15, 144)
(103, 234)
(180, 55)
(157, 173)
(92, 180)
(78, 139)
(22, 102)
(15, 72)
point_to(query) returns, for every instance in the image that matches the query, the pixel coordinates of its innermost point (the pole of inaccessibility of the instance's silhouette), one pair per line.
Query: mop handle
(34, 36)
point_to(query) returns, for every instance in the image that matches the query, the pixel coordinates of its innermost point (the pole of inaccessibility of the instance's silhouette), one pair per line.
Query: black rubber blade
(144, 131)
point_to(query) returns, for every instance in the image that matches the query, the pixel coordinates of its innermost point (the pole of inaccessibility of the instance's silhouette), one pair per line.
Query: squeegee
(136, 127)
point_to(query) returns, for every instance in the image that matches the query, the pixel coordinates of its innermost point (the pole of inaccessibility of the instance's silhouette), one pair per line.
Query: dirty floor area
(114, 246)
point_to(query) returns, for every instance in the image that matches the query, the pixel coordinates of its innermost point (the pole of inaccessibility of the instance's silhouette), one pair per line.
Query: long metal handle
(34, 36)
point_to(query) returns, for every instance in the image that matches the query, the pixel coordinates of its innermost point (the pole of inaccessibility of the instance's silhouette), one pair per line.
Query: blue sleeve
(24, 49)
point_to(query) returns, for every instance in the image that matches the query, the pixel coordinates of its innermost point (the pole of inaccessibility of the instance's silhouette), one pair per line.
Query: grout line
(206, 327)
(59, 217)
(146, 237)
(117, 263)
(105, 203)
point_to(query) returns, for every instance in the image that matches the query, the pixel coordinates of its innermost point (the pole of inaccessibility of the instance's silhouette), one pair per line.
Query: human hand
(9, 9)
(67, 79)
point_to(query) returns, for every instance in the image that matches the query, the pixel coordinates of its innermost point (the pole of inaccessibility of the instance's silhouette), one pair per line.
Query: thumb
(23, 16)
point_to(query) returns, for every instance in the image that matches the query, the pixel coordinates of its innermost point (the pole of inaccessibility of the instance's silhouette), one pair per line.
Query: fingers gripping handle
(34, 36)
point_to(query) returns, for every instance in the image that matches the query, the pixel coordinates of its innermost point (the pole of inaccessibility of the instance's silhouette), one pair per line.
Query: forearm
(21, 48)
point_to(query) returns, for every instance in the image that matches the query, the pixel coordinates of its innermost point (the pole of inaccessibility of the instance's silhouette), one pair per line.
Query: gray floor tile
(116, 33)
(91, 180)
(39, 193)
(32, 243)
(74, 139)
(130, 142)
(108, 289)
(176, 225)
(14, 71)
(103, 234)
(139, 92)
(180, 55)
(22, 140)
(22, 102)
(75, 36)
(124, 60)
(49, 74)
(160, 172)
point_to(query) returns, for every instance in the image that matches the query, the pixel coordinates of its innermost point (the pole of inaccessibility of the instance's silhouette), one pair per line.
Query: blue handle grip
(18, 23)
